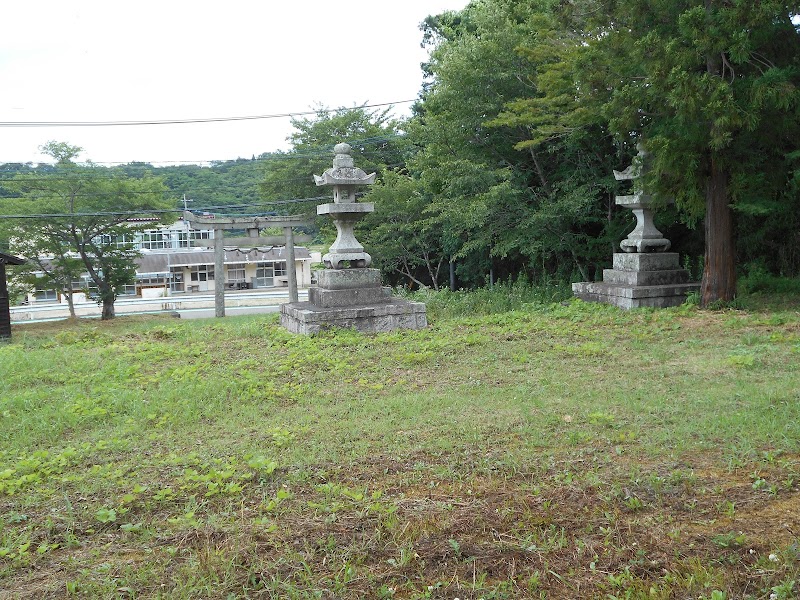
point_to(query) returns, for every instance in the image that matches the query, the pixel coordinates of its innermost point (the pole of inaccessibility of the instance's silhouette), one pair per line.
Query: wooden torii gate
(253, 226)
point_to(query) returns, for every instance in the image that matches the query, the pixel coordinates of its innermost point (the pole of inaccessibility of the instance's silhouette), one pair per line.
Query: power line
(184, 121)
(323, 151)
(192, 188)
(133, 213)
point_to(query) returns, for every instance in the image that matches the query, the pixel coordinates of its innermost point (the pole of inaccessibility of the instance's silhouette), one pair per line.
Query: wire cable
(185, 121)
(252, 186)
(323, 151)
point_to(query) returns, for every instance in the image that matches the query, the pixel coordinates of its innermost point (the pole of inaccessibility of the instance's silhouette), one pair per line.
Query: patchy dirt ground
(444, 526)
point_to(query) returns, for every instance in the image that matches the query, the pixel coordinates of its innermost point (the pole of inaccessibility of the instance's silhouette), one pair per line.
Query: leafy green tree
(50, 264)
(507, 200)
(85, 213)
(231, 183)
(713, 89)
(288, 186)
(403, 241)
(372, 134)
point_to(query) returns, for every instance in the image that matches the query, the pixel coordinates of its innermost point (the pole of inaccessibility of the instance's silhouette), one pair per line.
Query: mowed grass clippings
(558, 451)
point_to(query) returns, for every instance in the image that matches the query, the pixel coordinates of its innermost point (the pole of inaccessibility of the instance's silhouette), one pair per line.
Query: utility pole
(290, 266)
(219, 273)
(185, 220)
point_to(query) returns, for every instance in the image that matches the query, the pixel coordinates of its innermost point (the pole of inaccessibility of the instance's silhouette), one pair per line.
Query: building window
(280, 268)
(85, 284)
(121, 241)
(176, 279)
(45, 295)
(154, 240)
(204, 234)
(201, 273)
(236, 272)
(151, 281)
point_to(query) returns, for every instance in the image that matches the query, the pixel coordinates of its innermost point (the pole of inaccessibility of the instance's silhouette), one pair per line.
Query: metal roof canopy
(8, 259)
(253, 225)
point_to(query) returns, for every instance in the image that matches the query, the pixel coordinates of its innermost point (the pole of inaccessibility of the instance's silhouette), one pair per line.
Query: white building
(193, 270)
(177, 259)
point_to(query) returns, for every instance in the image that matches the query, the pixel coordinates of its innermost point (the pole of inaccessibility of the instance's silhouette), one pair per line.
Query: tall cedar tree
(713, 88)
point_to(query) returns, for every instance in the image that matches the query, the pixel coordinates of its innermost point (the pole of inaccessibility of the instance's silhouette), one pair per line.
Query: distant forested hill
(222, 183)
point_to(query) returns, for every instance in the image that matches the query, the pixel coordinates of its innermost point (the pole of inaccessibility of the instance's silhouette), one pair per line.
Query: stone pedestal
(644, 237)
(352, 298)
(347, 287)
(644, 274)
(346, 249)
(640, 279)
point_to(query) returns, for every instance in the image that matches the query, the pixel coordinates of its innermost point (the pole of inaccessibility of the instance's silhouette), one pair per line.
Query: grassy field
(559, 450)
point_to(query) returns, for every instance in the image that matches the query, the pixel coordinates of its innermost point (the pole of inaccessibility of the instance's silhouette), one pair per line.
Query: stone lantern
(644, 237)
(644, 273)
(345, 210)
(348, 293)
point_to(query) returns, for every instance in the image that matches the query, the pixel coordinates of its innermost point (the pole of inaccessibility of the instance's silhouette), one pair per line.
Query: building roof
(160, 262)
(8, 259)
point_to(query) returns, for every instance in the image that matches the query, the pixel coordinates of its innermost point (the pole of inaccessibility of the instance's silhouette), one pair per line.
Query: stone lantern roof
(343, 171)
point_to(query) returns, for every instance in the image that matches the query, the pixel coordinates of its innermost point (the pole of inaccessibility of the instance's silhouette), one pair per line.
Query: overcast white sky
(89, 60)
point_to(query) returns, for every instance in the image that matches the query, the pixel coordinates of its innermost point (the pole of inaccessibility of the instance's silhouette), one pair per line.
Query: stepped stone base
(641, 279)
(352, 298)
(339, 288)
(342, 298)
(391, 314)
(645, 278)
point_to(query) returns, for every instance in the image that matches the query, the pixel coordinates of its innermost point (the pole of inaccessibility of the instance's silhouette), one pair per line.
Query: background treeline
(505, 168)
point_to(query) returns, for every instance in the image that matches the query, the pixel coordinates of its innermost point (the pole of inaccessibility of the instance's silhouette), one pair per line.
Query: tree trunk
(719, 272)
(107, 298)
(433, 274)
(70, 304)
(108, 309)
(584, 273)
(407, 273)
(719, 269)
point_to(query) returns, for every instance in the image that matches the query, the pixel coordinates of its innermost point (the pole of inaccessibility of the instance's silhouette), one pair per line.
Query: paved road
(205, 313)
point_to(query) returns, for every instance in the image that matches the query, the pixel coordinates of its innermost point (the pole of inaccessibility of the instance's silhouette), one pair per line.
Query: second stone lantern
(644, 273)
(349, 293)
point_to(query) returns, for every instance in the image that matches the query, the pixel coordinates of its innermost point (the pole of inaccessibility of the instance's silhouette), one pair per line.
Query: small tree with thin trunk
(82, 214)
